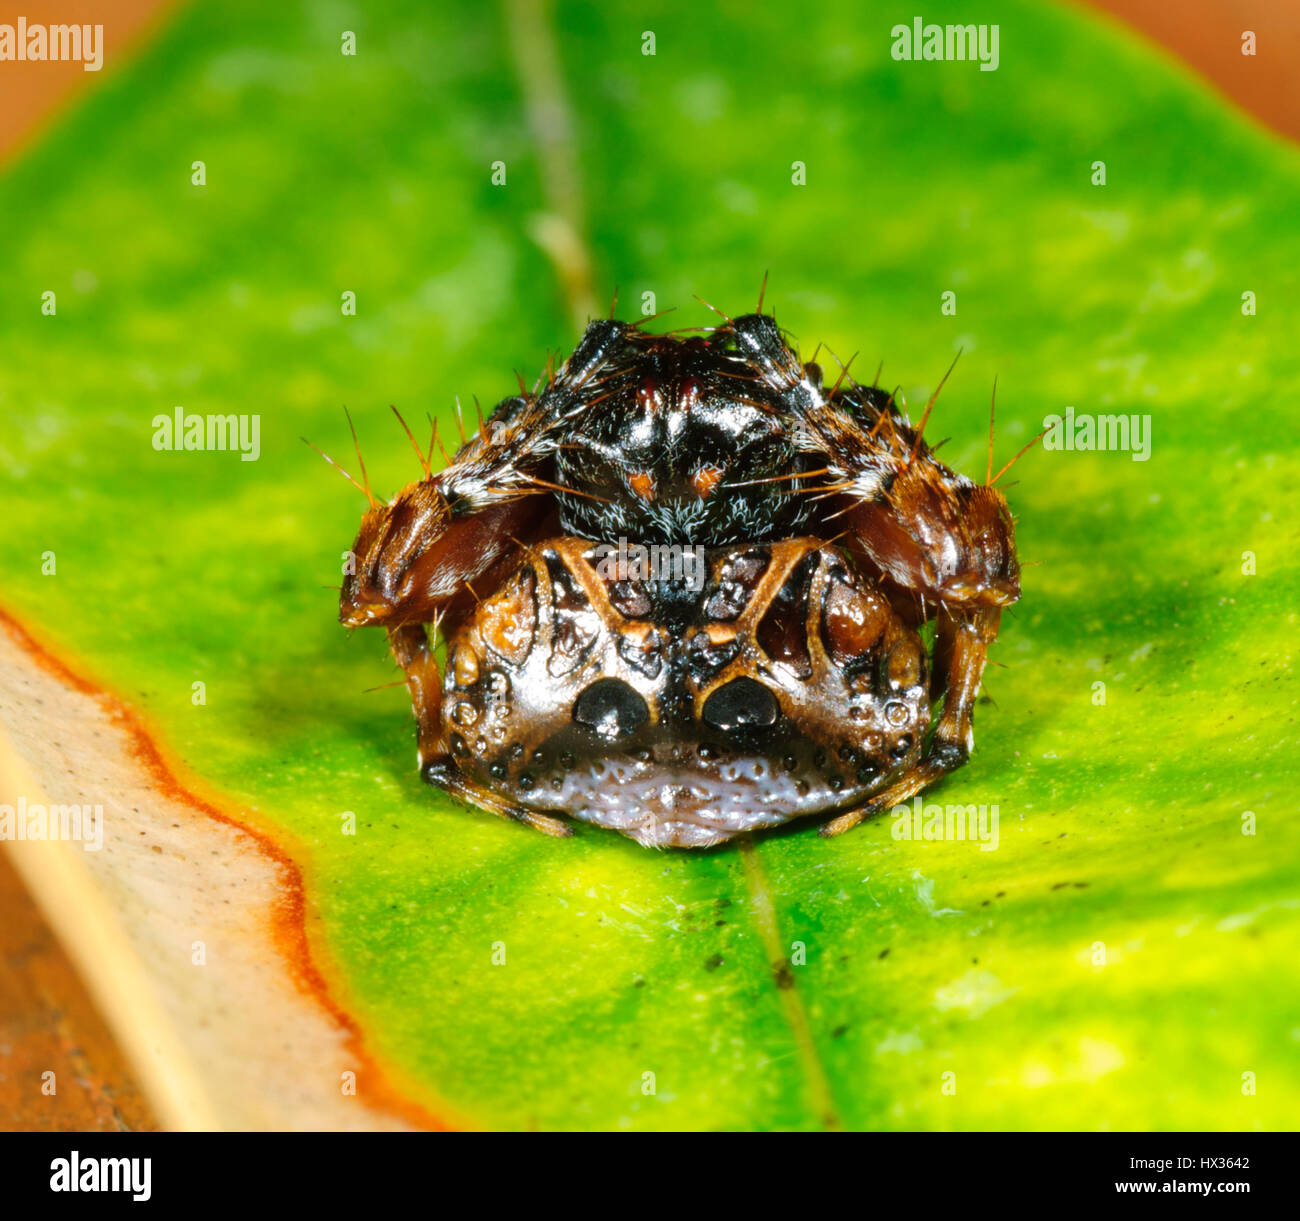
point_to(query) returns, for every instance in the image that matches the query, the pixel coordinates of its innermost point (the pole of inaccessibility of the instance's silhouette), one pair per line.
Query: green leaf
(1125, 954)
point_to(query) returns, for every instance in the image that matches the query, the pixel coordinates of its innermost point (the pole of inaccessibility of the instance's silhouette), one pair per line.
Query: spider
(781, 674)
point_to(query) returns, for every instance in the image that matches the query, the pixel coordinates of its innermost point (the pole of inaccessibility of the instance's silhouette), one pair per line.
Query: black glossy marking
(643, 654)
(742, 703)
(782, 632)
(736, 584)
(610, 708)
(706, 658)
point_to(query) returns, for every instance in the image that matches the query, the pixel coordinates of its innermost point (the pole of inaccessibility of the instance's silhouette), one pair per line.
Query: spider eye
(611, 709)
(740, 704)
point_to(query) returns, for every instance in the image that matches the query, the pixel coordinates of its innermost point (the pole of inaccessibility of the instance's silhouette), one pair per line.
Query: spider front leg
(416, 564)
(944, 548)
(961, 648)
(415, 559)
(410, 648)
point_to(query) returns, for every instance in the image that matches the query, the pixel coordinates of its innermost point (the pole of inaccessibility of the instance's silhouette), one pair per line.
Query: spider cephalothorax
(681, 584)
(670, 440)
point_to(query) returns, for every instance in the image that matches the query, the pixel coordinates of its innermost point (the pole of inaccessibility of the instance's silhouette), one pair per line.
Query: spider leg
(961, 649)
(452, 780)
(943, 548)
(415, 559)
(437, 588)
(410, 648)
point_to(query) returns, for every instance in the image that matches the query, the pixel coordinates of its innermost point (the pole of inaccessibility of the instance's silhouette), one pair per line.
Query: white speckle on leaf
(904, 1043)
(975, 992)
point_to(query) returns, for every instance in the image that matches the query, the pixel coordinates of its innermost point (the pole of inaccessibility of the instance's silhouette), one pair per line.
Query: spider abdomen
(793, 689)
